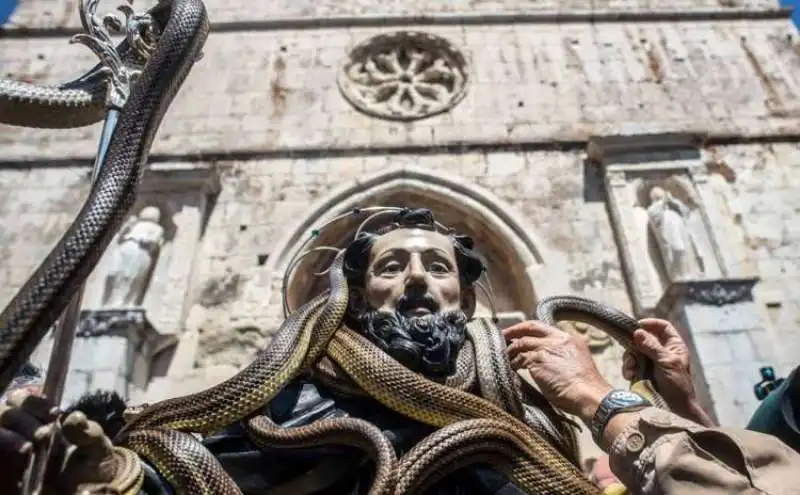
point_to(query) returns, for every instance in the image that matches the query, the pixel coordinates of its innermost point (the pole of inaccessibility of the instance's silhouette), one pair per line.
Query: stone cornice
(175, 177)
(603, 150)
(12, 30)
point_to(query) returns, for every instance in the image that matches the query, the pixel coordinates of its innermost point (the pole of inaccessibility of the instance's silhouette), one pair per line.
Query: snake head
(133, 412)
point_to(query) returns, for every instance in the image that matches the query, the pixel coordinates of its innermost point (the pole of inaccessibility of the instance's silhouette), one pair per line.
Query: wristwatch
(615, 402)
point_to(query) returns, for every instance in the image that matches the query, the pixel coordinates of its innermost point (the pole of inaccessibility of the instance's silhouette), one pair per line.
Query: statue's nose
(416, 272)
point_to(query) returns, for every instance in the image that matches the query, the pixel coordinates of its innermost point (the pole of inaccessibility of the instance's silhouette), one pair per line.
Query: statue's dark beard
(425, 344)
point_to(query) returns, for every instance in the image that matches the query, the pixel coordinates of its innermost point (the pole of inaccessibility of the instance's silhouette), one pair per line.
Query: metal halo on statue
(372, 212)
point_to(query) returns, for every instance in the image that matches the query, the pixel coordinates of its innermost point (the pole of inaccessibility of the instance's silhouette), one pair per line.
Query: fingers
(532, 344)
(525, 360)
(19, 421)
(662, 329)
(529, 329)
(38, 407)
(78, 430)
(647, 344)
(628, 366)
(528, 352)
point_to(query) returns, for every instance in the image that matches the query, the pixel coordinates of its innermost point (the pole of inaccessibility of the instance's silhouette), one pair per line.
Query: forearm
(653, 451)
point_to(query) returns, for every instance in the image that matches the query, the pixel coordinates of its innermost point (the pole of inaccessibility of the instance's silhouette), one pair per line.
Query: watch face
(624, 396)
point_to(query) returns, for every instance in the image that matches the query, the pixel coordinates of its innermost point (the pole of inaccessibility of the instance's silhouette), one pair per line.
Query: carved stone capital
(720, 292)
(129, 323)
(715, 292)
(168, 178)
(107, 322)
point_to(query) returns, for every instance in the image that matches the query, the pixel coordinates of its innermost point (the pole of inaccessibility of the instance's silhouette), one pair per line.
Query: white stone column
(722, 226)
(112, 351)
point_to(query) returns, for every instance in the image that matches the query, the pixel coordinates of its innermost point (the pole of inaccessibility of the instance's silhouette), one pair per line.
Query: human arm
(660, 341)
(651, 451)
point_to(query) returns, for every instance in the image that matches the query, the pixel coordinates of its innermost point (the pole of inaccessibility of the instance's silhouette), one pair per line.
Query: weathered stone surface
(262, 91)
(259, 199)
(64, 13)
(764, 202)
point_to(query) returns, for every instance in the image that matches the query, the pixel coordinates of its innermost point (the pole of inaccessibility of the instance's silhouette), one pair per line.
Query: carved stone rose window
(404, 76)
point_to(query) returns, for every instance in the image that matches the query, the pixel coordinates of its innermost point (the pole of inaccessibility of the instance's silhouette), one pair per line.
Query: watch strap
(615, 402)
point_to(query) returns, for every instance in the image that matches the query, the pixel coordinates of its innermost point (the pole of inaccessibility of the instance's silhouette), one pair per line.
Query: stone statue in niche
(138, 245)
(669, 221)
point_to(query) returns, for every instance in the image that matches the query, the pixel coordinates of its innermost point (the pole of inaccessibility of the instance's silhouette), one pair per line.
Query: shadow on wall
(6, 9)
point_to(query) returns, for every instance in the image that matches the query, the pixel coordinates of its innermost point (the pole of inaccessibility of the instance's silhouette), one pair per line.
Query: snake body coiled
(615, 323)
(39, 303)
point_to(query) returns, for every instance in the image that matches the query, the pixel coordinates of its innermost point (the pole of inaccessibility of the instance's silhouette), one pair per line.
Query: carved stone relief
(150, 262)
(659, 213)
(596, 339)
(405, 75)
(719, 293)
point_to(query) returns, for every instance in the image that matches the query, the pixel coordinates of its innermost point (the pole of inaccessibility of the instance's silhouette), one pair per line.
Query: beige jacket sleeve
(662, 453)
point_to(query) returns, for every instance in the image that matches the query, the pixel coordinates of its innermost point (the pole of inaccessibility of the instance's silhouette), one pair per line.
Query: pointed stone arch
(521, 266)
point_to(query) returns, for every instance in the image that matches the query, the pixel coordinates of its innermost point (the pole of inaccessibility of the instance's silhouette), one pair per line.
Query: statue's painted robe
(302, 402)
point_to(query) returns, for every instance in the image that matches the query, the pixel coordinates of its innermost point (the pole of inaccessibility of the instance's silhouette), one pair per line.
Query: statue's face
(150, 213)
(657, 194)
(413, 272)
(412, 305)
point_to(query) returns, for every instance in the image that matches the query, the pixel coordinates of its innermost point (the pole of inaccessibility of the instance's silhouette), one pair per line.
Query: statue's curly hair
(356, 258)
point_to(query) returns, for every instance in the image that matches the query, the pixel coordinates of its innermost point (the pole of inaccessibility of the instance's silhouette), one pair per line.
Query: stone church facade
(643, 154)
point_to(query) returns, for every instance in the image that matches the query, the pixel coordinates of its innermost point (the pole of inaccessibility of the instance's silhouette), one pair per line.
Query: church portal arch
(521, 267)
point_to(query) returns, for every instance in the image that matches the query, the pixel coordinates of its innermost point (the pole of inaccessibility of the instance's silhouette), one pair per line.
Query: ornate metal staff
(64, 336)
(119, 77)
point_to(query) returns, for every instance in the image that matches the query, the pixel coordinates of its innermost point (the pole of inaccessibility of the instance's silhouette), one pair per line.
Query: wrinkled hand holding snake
(500, 426)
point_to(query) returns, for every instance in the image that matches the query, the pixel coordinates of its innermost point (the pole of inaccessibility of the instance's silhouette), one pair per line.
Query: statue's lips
(418, 306)
(419, 311)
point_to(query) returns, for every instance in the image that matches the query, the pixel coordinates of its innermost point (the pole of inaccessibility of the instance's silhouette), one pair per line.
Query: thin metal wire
(374, 215)
(490, 293)
(295, 262)
(490, 296)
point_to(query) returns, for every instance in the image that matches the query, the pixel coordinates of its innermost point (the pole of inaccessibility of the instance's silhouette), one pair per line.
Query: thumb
(628, 366)
(647, 344)
(82, 432)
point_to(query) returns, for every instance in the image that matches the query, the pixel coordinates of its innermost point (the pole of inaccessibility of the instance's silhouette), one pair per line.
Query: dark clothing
(349, 470)
(779, 412)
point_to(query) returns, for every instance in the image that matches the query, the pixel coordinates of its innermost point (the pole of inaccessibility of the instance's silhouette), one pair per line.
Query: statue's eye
(439, 267)
(391, 267)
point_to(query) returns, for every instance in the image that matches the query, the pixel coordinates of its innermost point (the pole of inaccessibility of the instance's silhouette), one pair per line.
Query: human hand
(25, 423)
(82, 459)
(661, 342)
(601, 473)
(560, 364)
